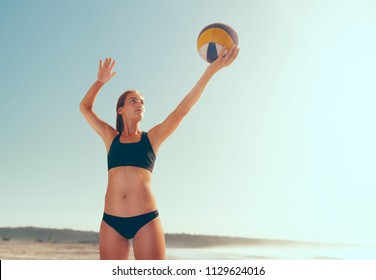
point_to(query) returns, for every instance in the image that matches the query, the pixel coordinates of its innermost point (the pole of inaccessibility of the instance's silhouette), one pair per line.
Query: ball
(213, 38)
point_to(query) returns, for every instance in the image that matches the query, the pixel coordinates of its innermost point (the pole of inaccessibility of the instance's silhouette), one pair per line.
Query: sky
(280, 146)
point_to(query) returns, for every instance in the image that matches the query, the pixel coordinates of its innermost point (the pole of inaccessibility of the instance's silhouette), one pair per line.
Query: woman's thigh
(149, 242)
(112, 246)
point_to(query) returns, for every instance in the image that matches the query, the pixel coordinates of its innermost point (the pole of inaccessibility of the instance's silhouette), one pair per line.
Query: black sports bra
(139, 154)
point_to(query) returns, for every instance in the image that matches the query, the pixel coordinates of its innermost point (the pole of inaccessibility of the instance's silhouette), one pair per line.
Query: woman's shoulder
(110, 139)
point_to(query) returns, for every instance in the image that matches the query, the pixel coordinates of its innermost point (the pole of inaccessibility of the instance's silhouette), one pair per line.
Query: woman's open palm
(105, 70)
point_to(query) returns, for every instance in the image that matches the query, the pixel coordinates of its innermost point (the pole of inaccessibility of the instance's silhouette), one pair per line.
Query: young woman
(130, 210)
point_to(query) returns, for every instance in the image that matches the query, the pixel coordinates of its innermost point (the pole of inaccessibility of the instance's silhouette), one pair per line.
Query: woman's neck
(131, 129)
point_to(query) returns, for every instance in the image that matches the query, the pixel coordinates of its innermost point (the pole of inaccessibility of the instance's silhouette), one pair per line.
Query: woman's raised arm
(105, 74)
(161, 132)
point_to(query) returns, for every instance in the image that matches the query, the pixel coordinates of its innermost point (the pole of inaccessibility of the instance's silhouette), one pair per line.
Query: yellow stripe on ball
(215, 35)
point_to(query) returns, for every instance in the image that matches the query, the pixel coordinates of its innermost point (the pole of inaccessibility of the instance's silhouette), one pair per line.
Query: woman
(130, 207)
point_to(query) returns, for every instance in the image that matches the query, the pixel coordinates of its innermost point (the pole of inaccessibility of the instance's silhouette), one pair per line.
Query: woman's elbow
(84, 107)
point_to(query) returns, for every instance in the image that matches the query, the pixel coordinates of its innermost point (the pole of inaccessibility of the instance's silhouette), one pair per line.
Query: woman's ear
(120, 111)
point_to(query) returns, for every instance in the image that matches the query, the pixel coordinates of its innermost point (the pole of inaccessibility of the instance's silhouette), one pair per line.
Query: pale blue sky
(281, 145)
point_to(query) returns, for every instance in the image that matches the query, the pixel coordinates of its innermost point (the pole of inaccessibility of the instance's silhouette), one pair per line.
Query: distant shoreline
(32, 243)
(51, 235)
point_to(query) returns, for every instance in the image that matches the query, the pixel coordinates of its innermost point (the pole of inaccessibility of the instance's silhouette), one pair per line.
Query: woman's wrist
(210, 72)
(99, 82)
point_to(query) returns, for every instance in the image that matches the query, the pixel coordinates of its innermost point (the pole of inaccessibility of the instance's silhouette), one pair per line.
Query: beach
(28, 250)
(25, 250)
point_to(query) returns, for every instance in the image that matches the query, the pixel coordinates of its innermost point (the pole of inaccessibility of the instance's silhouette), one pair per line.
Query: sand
(23, 250)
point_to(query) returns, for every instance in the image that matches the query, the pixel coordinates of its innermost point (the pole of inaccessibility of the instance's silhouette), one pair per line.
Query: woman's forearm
(88, 101)
(194, 95)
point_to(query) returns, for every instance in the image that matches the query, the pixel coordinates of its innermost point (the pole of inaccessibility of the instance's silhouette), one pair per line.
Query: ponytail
(119, 123)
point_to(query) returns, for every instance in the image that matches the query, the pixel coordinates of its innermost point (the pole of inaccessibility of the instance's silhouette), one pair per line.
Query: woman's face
(134, 107)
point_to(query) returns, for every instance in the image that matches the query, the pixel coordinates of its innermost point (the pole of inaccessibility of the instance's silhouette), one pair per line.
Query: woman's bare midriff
(129, 192)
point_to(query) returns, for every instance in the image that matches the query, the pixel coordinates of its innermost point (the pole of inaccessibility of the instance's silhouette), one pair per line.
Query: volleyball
(213, 38)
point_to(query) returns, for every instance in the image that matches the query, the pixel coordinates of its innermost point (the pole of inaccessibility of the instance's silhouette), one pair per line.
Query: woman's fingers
(105, 69)
(108, 62)
(232, 55)
(112, 64)
(223, 52)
